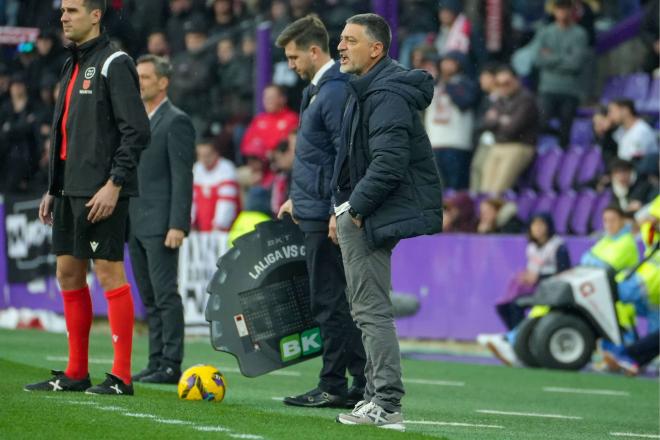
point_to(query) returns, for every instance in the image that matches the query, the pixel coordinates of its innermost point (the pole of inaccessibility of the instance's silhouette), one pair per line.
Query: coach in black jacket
(160, 218)
(387, 188)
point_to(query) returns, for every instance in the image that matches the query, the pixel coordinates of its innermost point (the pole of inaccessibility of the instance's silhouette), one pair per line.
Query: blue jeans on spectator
(454, 167)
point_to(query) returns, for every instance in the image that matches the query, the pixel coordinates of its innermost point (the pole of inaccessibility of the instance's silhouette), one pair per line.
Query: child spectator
(547, 255)
(458, 214)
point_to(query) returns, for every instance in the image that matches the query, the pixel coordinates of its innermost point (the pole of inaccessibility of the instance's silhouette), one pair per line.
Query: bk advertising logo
(300, 344)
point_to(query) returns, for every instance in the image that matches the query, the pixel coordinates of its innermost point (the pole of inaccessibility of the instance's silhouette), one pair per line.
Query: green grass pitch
(444, 400)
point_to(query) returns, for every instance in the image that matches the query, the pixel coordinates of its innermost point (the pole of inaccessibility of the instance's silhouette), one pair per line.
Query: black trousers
(342, 341)
(562, 107)
(155, 269)
(645, 349)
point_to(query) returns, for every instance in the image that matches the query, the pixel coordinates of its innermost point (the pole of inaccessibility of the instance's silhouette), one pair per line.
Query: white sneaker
(359, 407)
(373, 414)
(500, 347)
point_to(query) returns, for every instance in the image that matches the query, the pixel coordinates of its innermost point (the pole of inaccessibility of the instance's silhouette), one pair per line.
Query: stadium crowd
(498, 116)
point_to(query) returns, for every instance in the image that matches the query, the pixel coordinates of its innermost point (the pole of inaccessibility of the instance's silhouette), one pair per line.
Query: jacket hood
(415, 86)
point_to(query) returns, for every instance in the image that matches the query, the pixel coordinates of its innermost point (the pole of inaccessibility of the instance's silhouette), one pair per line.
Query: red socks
(120, 315)
(78, 317)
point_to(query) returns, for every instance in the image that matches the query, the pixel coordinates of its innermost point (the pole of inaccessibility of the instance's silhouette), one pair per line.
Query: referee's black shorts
(74, 235)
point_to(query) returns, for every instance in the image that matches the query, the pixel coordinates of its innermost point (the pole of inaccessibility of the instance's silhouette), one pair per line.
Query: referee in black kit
(305, 44)
(100, 127)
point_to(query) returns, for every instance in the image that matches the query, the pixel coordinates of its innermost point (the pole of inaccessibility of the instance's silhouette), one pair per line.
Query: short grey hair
(375, 27)
(161, 65)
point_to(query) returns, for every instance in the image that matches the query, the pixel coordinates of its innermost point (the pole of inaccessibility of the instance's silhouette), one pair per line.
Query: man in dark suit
(160, 219)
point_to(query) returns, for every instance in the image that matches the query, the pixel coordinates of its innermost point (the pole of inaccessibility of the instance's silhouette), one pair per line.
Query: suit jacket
(165, 175)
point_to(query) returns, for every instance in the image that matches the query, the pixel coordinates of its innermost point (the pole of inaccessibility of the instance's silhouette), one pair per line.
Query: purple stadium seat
(652, 102)
(584, 205)
(590, 166)
(545, 203)
(547, 142)
(603, 200)
(582, 133)
(636, 87)
(612, 89)
(569, 167)
(525, 202)
(563, 210)
(546, 169)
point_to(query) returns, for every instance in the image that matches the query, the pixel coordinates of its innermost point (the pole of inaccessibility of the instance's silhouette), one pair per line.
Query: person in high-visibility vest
(617, 249)
(257, 210)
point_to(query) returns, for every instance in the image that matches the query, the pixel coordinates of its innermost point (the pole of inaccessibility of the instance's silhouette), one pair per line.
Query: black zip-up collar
(359, 85)
(82, 51)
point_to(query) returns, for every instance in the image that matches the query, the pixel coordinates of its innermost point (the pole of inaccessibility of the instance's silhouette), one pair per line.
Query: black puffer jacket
(394, 181)
(107, 125)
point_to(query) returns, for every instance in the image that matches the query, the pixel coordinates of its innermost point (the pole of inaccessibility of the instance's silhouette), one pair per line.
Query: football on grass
(202, 382)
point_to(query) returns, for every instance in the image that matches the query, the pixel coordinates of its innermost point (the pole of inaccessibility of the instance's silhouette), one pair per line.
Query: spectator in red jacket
(270, 127)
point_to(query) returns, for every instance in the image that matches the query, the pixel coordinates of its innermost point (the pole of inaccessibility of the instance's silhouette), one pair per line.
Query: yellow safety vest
(649, 272)
(244, 223)
(619, 252)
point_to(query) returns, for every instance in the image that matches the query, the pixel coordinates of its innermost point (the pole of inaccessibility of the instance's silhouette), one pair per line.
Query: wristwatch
(353, 213)
(117, 180)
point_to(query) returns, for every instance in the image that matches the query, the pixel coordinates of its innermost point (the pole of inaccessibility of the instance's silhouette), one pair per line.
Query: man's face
(615, 114)
(622, 177)
(77, 20)
(179, 6)
(562, 15)
(448, 68)
(17, 90)
(225, 51)
(150, 84)
(273, 100)
(206, 155)
(44, 46)
(487, 81)
(612, 222)
(446, 17)
(157, 44)
(300, 60)
(357, 52)
(506, 84)
(195, 41)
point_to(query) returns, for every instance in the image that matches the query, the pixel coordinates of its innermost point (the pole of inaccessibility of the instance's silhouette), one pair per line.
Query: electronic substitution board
(259, 308)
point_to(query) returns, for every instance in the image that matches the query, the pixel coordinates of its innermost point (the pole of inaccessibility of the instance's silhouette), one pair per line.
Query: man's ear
(376, 49)
(96, 16)
(163, 83)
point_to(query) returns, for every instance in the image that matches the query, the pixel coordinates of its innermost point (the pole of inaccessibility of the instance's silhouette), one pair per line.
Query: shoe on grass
(112, 386)
(316, 398)
(500, 347)
(60, 382)
(373, 414)
(166, 375)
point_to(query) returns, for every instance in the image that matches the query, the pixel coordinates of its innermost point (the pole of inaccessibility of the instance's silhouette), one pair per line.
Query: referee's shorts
(74, 235)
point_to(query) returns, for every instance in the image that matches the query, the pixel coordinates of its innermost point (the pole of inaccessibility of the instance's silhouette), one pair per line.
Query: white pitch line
(111, 408)
(91, 360)
(140, 415)
(442, 383)
(526, 414)
(631, 434)
(211, 429)
(279, 399)
(172, 421)
(586, 391)
(246, 436)
(458, 424)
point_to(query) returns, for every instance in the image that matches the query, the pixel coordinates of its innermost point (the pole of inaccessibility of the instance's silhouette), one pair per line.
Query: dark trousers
(563, 107)
(511, 314)
(155, 269)
(645, 349)
(342, 341)
(454, 167)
